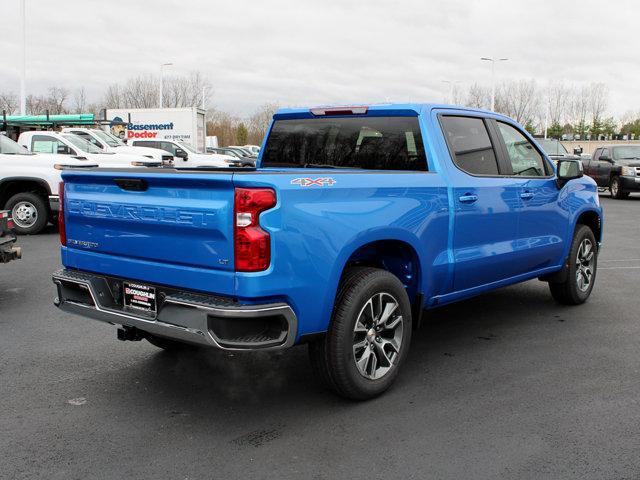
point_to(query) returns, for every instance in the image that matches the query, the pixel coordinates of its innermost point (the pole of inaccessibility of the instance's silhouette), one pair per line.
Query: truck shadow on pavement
(210, 381)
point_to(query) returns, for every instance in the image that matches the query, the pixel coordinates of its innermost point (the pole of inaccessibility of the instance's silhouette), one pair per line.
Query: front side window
(525, 159)
(82, 144)
(373, 143)
(168, 146)
(88, 138)
(470, 145)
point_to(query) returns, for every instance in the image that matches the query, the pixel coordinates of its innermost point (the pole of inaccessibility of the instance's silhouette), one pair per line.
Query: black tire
(615, 187)
(31, 201)
(332, 357)
(569, 291)
(169, 344)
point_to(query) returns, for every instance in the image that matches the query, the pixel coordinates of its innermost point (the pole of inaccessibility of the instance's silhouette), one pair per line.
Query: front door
(542, 224)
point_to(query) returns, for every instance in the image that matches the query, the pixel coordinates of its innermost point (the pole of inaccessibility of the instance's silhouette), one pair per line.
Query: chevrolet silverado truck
(8, 250)
(355, 221)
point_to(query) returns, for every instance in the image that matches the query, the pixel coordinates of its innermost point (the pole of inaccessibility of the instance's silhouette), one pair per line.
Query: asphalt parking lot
(507, 385)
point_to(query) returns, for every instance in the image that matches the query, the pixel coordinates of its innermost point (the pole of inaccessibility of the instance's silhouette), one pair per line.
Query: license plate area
(139, 298)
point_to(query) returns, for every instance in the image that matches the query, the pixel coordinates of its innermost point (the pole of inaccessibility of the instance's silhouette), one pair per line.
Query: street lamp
(23, 73)
(493, 78)
(451, 84)
(160, 88)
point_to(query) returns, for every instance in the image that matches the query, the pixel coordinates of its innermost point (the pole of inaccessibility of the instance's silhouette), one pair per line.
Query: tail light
(61, 226)
(252, 244)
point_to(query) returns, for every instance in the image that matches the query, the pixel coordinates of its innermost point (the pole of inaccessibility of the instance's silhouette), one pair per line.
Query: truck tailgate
(164, 227)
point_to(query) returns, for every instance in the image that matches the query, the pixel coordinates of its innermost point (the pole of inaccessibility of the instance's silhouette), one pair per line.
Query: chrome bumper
(184, 316)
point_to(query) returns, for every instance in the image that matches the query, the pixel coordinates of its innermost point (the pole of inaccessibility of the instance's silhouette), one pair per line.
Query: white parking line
(617, 268)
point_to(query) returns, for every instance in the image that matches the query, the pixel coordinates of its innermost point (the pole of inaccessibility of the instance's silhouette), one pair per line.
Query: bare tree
(478, 96)
(222, 125)
(579, 107)
(259, 122)
(519, 100)
(558, 98)
(79, 100)
(186, 91)
(598, 100)
(113, 97)
(8, 102)
(57, 99)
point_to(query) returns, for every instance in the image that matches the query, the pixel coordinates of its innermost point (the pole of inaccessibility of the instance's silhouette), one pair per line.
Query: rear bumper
(630, 183)
(185, 316)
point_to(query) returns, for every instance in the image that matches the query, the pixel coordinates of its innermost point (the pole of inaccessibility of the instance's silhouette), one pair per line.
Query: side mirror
(181, 154)
(63, 149)
(568, 170)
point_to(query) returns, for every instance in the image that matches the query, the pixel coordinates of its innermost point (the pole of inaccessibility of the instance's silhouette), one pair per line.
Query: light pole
(162, 65)
(451, 84)
(23, 76)
(493, 78)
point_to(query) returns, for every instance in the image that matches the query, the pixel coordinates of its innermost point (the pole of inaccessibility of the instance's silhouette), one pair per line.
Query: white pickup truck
(72, 145)
(29, 184)
(187, 157)
(110, 143)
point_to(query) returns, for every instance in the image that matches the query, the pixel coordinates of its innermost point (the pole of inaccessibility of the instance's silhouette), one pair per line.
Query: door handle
(468, 198)
(527, 195)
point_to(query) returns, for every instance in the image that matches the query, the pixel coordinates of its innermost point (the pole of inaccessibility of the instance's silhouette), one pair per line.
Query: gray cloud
(303, 52)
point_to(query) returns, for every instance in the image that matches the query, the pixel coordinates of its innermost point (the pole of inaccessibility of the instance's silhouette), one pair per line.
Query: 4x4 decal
(310, 182)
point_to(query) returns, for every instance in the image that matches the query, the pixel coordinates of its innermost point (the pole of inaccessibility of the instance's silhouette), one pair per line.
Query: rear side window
(374, 143)
(470, 145)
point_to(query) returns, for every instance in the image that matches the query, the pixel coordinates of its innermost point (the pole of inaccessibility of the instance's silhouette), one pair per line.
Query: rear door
(542, 225)
(486, 204)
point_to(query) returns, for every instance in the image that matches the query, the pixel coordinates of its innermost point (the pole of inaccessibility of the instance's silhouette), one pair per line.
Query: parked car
(244, 160)
(8, 250)
(186, 156)
(245, 151)
(555, 150)
(616, 167)
(29, 184)
(72, 145)
(110, 143)
(352, 224)
(255, 149)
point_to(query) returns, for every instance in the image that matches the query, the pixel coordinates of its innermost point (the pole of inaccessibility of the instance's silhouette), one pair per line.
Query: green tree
(609, 127)
(555, 130)
(241, 134)
(631, 128)
(581, 128)
(530, 127)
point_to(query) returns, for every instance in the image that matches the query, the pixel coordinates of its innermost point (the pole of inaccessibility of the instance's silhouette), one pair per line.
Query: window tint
(469, 142)
(596, 154)
(375, 143)
(605, 153)
(88, 138)
(525, 159)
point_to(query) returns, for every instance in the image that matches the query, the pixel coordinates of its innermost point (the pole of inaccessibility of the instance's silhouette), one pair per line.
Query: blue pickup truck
(355, 221)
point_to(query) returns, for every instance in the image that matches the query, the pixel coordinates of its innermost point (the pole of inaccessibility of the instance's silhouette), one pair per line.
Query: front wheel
(616, 189)
(369, 335)
(581, 275)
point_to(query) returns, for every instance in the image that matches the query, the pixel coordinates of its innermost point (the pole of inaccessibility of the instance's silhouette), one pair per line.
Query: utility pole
(493, 78)
(162, 65)
(23, 76)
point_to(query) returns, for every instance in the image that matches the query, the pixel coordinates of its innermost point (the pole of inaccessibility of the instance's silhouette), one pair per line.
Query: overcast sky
(317, 52)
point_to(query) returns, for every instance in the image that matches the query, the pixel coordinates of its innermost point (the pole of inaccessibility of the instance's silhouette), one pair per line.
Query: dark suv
(616, 167)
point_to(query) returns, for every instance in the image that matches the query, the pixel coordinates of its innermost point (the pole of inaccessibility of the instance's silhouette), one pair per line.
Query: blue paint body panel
(179, 232)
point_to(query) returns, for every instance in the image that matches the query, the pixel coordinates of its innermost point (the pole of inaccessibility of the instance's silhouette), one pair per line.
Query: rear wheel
(616, 188)
(28, 211)
(369, 336)
(583, 263)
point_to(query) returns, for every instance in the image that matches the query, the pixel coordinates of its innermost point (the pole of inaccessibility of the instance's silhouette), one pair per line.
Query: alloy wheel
(377, 336)
(584, 265)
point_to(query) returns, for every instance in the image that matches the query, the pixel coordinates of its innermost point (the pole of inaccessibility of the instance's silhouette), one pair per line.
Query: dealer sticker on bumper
(139, 297)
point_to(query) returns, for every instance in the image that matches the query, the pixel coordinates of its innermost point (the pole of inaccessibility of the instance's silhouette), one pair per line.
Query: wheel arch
(11, 185)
